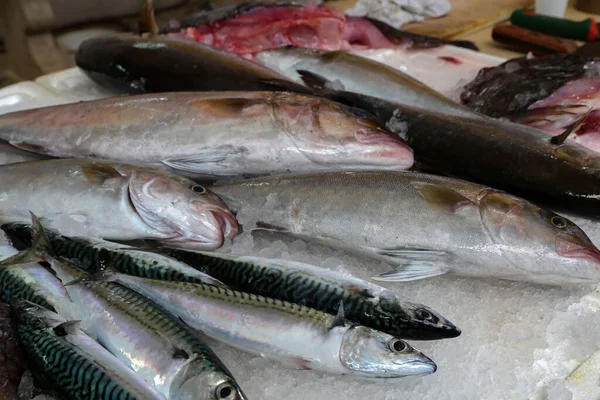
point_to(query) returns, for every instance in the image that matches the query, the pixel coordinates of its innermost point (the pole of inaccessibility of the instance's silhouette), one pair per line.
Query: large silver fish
(426, 224)
(290, 333)
(115, 201)
(213, 134)
(79, 367)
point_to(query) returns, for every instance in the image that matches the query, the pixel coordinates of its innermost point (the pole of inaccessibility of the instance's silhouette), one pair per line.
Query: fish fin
(573, 128)
(313, 80)
(215, 161)
(178, 352)
(67, 328)
(412, 272)
(146, 21)
(99, 173)
(340, 318)
(31, 148)
(265, 226)
(39, 249)
(441, 197)
(286, 86)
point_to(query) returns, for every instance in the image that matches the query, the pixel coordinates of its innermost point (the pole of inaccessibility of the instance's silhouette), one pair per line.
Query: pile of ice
(519, 341)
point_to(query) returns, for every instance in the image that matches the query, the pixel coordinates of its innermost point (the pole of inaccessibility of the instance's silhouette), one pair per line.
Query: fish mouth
(421, 367)
(226, 220)
(566, 248)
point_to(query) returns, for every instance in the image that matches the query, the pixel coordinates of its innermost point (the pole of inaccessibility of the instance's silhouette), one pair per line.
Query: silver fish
(115, 201)
(292, 334)
(79, 367)
(428, 225)
(213, 134)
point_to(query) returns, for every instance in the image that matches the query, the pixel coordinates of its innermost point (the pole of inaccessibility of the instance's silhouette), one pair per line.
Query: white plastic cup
(553, 8)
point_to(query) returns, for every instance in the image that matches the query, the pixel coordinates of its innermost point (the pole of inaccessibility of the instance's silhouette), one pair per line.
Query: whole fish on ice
(427, 225)
(78, 367)
(214, 134)
(115, 201)
(364, 303)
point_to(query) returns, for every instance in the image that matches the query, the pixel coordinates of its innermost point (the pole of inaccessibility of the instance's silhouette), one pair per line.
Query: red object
(593, 32)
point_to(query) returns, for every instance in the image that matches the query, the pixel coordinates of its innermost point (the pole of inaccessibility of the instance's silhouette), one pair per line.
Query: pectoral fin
(412, 272)
(414, 264)
(215, 161)
(441, 197)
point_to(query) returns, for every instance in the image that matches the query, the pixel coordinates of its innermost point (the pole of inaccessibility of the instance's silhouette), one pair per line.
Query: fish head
(424, 323)
(336, 136)
(376, 354)
(183, 212)
(195, 382)
(542, 246)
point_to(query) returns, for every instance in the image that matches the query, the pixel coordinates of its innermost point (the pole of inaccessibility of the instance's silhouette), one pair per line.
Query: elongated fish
(565, 175)
(319, 288)
(290, 333)
(427, 225)
(361, 75)
(115, 201)
(79, 367)
(90, 254)
(215, 134)
(151, 63)
(31, 282)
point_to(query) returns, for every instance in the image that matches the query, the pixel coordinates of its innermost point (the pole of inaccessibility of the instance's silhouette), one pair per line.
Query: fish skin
(364, 303)
(90, 253)
(292, 334)
(140, 64)
(115, 200)
(171, 357)
(32, 282)
(79, 367)
(212, 134)
(427, 225)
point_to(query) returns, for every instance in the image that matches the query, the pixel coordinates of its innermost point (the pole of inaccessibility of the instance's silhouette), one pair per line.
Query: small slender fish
(319, 288)
(79, 367)
(89, 254)
(31, 282)
(426, 225)
(290, 333)
(212, 134)
(115, 201)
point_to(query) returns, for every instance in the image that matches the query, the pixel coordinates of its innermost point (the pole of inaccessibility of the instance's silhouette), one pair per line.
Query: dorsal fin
(67, 328)
(147, 22)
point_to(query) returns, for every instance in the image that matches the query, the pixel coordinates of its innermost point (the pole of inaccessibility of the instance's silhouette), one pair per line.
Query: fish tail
(39, 250)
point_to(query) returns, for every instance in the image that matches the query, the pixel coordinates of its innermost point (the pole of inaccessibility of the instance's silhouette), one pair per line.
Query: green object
(586, 30)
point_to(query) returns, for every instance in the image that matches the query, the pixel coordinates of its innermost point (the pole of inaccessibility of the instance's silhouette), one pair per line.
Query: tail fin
(39, 250)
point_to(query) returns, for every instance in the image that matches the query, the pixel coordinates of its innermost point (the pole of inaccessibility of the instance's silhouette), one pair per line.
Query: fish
(92, 254)
(115, 201)
(424, 225)
(32, 282)
(564, 176)
(168, 355)
(251, 27)
(362, 76)
(292, 334)
(521, 90)
(212, 134)
(364, 303)
(74, 363)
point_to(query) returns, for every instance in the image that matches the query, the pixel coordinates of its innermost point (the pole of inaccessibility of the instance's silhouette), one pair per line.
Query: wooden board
(465, 16)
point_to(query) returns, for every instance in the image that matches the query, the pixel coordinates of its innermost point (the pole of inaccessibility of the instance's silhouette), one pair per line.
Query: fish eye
(424, 315)
(198, 189)
(359, 113)
(397, 345)
(559, 222)
(225, 391)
